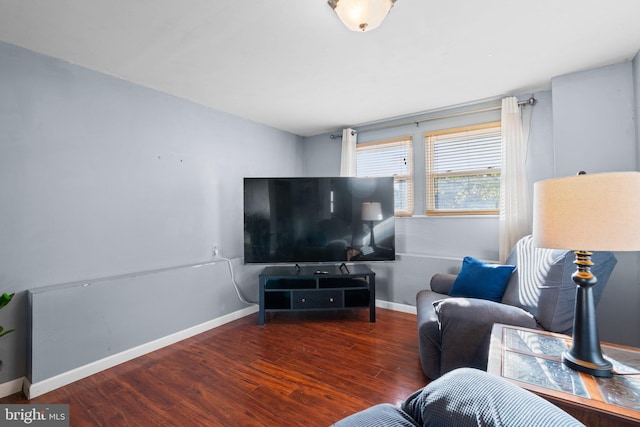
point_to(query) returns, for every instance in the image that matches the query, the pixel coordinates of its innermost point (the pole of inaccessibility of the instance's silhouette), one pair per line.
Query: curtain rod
(531, 101)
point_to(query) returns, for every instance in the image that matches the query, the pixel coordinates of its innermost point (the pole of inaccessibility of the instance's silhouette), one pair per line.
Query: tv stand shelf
(313, 287)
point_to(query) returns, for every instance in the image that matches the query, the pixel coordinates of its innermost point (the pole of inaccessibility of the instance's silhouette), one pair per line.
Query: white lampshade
(361, 15)
(371, 211)
(591, 212)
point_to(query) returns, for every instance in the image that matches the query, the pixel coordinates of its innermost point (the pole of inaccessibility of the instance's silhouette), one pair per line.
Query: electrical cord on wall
(233, 279)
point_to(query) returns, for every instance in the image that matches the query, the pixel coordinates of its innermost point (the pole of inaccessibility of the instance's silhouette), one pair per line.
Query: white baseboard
(405, 308)
(11, 387)
(37, 389)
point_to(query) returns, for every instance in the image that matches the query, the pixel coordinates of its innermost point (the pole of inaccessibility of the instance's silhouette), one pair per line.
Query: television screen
(309, 220)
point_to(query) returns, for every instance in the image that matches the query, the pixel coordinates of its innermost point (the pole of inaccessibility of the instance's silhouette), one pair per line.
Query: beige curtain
(348, 159)
(515, 210)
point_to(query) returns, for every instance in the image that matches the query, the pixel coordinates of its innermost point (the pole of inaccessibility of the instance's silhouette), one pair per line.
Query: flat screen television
(316, 220)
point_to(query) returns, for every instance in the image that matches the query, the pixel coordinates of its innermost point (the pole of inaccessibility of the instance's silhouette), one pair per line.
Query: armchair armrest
(442, 283)
(465, 328)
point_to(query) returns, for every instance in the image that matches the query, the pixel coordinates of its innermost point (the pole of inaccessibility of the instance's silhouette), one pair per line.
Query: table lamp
(583, 213)
(371, 211)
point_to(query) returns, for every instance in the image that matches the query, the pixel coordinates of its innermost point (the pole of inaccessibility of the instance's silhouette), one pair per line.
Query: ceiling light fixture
(361, 15)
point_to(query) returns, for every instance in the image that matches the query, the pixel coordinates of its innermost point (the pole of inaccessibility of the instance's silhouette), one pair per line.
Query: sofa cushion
(542, 283)
(478, 279)
(469, 397)
(465, 329)
(382, 415)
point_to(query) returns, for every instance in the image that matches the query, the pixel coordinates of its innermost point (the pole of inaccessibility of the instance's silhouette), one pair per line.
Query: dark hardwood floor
(308, 369)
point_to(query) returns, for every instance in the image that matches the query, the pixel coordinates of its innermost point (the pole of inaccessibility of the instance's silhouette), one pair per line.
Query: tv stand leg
(261, 311)
(372, 299)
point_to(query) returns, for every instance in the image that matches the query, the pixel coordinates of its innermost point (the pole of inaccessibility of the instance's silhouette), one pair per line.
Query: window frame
(408, 178)
(431, 176)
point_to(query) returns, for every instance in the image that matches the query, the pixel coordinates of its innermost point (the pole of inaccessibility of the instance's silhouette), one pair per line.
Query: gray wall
(70, 330)
(101, 177)
(586, 121)
(593, 120)
(594, 130)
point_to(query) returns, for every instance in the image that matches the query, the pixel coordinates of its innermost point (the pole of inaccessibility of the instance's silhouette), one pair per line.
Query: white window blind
(392, 157)
(463, 170)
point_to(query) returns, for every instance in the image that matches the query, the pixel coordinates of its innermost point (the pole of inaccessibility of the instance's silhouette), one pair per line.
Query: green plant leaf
(5, 298)
(5, 332)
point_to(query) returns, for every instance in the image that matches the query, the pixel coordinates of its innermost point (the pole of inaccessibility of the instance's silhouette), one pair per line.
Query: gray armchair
(454, 332)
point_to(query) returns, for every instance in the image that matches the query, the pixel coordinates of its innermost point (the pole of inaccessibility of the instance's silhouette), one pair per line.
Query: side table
(532, 359)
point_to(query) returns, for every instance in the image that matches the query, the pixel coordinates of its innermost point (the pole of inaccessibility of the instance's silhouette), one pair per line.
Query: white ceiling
(294, 66)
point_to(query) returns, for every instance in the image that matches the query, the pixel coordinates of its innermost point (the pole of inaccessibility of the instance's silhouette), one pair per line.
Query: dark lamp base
(585, 354)
(597, 369)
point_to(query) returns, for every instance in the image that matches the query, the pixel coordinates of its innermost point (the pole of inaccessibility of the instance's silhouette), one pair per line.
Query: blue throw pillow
(478, 279)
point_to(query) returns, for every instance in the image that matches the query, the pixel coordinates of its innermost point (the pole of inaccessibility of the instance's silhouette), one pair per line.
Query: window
(392, 157)
(463, 170)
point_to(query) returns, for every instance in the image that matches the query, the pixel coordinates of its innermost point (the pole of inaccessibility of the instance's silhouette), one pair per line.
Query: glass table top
(536, 359)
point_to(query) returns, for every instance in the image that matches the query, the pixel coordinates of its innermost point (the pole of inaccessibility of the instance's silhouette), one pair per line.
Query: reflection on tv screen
(337, 219)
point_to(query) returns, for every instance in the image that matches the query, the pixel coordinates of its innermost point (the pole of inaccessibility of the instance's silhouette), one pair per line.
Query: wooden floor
(307, 369)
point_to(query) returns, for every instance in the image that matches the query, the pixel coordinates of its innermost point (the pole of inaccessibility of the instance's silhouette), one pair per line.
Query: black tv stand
(313, 287)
